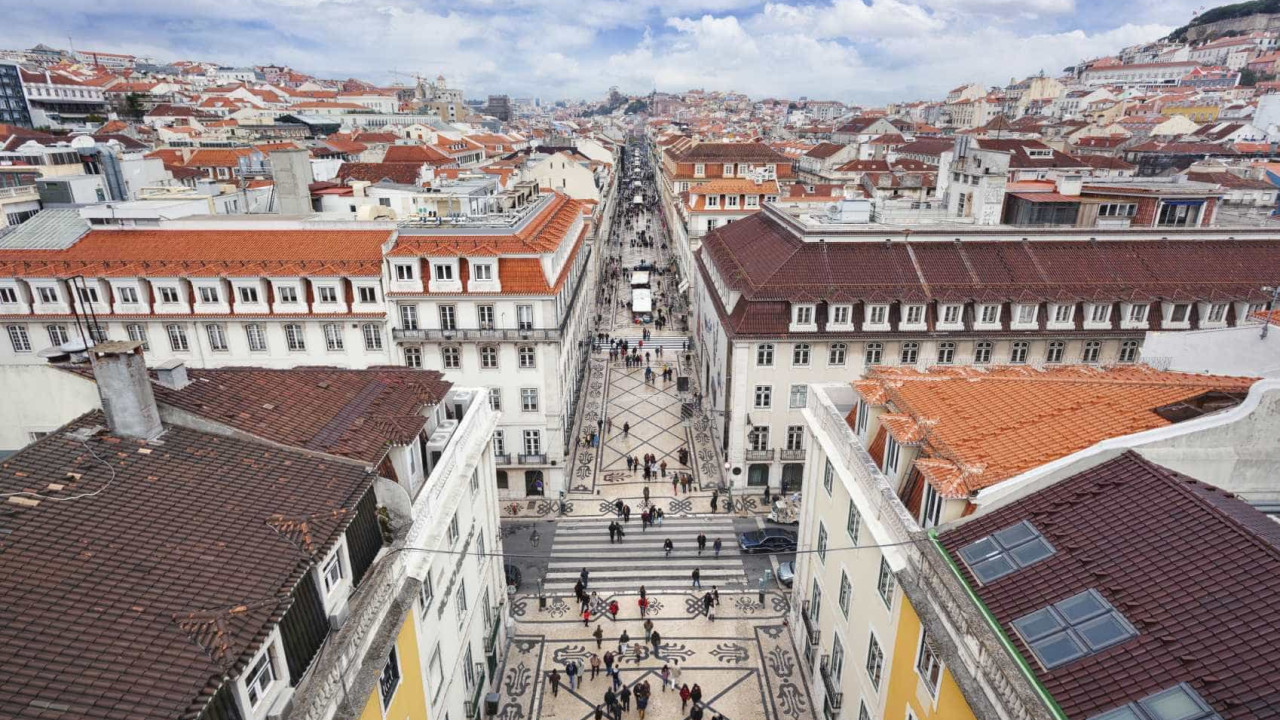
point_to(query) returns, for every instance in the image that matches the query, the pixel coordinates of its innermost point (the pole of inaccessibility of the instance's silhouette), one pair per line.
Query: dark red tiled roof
(731, 152)
(404, 173)
(1020, 159)
(138, 601)
(1196, 571)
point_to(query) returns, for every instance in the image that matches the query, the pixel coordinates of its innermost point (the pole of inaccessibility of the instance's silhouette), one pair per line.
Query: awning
(641, 301)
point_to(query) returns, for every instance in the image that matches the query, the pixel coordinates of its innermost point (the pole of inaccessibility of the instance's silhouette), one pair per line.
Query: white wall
(1227, 351)
(40, 398)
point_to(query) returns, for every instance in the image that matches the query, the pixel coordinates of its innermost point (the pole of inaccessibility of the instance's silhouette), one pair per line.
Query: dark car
(770, 540)
(513, 575)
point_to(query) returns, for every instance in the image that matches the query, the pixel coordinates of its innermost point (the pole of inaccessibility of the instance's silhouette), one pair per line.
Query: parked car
(786, 512)
(787, 573)
(770, 540)
(513, 575)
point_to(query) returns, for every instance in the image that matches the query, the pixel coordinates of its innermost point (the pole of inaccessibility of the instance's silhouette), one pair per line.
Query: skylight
(1070, 629)
(1179, 702)
(1006, 551)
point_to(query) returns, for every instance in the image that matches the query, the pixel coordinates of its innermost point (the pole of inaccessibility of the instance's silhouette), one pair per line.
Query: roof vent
(172, 374)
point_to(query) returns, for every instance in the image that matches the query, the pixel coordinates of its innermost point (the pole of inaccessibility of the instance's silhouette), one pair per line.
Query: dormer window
(87, 294)
(990, 314)
(368, 294)
(444, 272)
(404, 271)
(249, 294)
(731, 201)
(1179, 312)
(728, 169)
(1062, 313)
(1026, 314)
(168, 294)
(1100, 314)
(841, 314)
(209, 295)
(127, 295)
(1138, 313)
(482, 271)
(1217, 313)
(328, 294)
(258, 681)
(804, 315)
(699, 170)
(914, 315)
(877, 314)
(951, 314)
(49, 295)
(713, 201)
(753, 201)
(288, 294)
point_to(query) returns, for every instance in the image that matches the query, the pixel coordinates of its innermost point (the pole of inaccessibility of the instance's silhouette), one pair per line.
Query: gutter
(1021, 662)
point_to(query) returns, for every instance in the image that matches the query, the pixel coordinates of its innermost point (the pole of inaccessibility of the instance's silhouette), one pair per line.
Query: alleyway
(742, 654)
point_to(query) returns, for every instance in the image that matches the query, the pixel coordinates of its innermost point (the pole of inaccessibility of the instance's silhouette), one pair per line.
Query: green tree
(133, 105)
(1248, 78)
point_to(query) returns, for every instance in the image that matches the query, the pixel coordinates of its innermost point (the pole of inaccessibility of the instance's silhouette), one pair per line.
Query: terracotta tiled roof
(991, 424)
(735, 186)
(404, 173)
(1020, 159)
(206, 253)
(824, 150)
(1230, 180)
(544, 234)
(146, 596)
(731, 152)
(1193, 569)
(416, 154)
(1105, 162)
(865, 166)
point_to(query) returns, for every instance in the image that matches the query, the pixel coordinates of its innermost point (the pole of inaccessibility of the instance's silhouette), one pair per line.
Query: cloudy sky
(864, 51)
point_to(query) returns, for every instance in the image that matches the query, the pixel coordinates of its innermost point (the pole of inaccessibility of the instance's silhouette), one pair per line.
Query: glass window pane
(1121, 713)
(980, 550)
(1081, 607)
(992, 569)
(1038, 624)
(1058, 649)
(1104, 631)
(1019, 533)
(1031, 552)
(1176, 703)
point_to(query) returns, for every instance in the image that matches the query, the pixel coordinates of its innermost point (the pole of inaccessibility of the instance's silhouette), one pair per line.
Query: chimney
(125, 389)
(291, 171)
(172, 374)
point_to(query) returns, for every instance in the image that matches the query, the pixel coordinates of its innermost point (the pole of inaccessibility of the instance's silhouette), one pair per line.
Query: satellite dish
(82, 142)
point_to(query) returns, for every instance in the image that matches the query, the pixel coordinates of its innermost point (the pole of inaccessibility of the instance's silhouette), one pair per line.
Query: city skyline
(558, 51)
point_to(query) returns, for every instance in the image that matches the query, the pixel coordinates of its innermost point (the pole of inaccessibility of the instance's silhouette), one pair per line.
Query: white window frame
(801, 355)
(931, 507)
(529, 400)
(837, 354)
(405, 272)
(332, 572)
(248, 294)
(262, 667)
(841, 315)
(913, 315)
(764, 355)
(327, 294)
(334, 337)
(989, 315)
(952, 314)
(295, 337)
(877, 316)
(763, 397)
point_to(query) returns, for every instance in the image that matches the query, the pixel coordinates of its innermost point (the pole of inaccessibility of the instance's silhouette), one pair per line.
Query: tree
(133, 105)
(1248, 78)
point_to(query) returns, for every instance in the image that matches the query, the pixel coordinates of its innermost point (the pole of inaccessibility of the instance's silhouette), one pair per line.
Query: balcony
(19, 192)
(810, 623)
(502, 458)
(475, 705)
(765, 455)
(831, 708)
(476, 335)
(491, 639)
(533, 458)
(831, 684)
(797, 454)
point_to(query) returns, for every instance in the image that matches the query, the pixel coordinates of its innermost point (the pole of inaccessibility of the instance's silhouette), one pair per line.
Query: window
(294, 338)
(444, 272)
(982, 352)
(837, 657)
(875, 662)
(1068, 630)
(877, 314)
(57, 334)
(946, 353)
(259, 678)
(468, 668)
(404, 272)
(1100, 313)
(389, 680)
(800, 355)
(875, 353)
(217, 337)
(426, 593)
(177, 338)
(482, 271)
(1005, 551)
(1178, 215)
(928, 665)
(891, 455)
(699, 170)
(931, 511)
(836, 353)
(731, 201)
(1180, 702)
(495, 399)
(846, 591)
(372, 336)
(914, 315)
(524, 317)
(764, 355)
(288, 294)
(885, 584)
(728, 170)
(87, 294)
(863, 412)
(804, 314)
(1026, 314)
(488, 357)
(841, 314)
(990, 314)
(799, 395)
(452, 530)
(758, 439)
(413, 357)
(484, 313)
(1138, 313)
(822, 542)
(863, 713)
(209, 295)
(1129, 351)
(529, 399)
(97, 333)
(368, 294)
(1179, 312)
(332, 572)
(1117, 210)
(168, 294)
(19, 339)
(1092, 352)
(828, 476)
(795, 437)
(328, 294)
(853, 524)
(462, 598)
(448, 318)
(910, 353)
(128, 295)
(764, 397)
(1056, 350)
(1217, 313)
(1019, 351)
(409, 317)
(249, 294)
(527, 357)
(49, 295)
(8, 295)
(532, 442)
(815, 600)
(951, 314)
(451, 358)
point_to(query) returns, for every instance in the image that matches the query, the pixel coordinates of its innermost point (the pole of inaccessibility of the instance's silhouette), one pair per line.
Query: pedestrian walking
(571, 670)
(623, 641)
(697, 578)
(715, 499)
(599, 713)
(702, 543)
(599, 635)
(715, 594)
(586, 616)
(626, 513)
(685, 694)
(625, 697)
(718, 546)
(639, 651)
(626, 429)
(630, 464)
(595, 665)
(613, 532)
(696, 712)
(610, 699)
(584, 576)
(656, 639)
(646, 494)
(613, 609)
(617, 506)
(676, 672)
(696, 694)
(608, 661)
(675, 483)
(642, 704)
(555, 683)
(617, 678)
(667, 546)
(648, 628)
(666, 676)
(663, 467)
(644, 606)
(706, 603)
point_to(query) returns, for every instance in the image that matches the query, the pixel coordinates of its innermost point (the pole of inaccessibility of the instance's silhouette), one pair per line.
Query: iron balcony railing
(810, 623)
(831, 684)
(533, 458)
(797, 454)
(760, 454)
(502, 458)
(476, 335)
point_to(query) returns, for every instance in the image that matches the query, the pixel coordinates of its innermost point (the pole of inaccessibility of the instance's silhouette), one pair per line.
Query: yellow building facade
(403, 676)
(909, 694)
